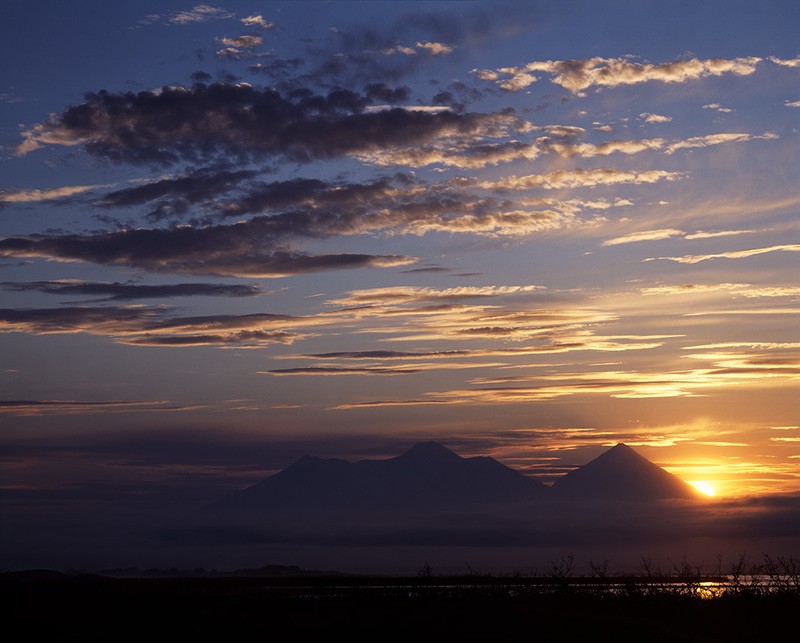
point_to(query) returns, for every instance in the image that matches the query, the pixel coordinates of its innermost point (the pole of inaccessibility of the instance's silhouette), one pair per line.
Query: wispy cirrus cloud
(732, 254)
(702, 234)
(717, 139)
(751, 291)
(393, 369)
(417, 294)
(33, 408)
(50, 194)
(645, 235)
(725, 370)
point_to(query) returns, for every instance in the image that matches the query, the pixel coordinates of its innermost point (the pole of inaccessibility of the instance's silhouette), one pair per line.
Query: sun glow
(704, 487)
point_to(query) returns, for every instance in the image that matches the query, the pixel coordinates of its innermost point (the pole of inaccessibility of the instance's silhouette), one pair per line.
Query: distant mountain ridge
(430, 477)
(427, 476)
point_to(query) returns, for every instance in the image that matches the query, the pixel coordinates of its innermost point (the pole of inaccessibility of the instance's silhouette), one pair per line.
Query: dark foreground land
(87, 608)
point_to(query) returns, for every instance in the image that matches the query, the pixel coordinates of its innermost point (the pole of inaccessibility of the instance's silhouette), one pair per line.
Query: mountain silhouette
(622, 474)
(431, 496)
(427, 477)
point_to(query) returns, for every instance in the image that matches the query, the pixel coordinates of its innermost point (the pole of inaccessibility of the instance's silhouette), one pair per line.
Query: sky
(233, 234)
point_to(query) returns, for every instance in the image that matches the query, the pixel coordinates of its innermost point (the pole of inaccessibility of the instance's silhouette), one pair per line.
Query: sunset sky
(236, 233)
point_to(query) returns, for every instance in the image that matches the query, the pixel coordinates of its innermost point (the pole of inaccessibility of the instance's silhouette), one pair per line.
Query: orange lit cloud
(744, 290)
(32, 408)
(143, 326)
(717, 139)
(31, 196)
(415, 294)
(646, 235)
(580, 75)
(733, 254)
(580, 178)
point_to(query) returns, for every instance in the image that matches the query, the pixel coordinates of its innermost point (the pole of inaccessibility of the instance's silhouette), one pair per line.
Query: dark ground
(87, 608)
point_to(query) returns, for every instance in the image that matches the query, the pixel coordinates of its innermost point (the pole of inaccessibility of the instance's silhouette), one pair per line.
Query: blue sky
(235, 233)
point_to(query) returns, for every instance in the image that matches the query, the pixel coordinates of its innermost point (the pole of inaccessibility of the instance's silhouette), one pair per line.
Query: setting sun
(705, 487)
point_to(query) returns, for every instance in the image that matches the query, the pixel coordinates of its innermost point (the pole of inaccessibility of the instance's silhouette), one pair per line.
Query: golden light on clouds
(704, 487)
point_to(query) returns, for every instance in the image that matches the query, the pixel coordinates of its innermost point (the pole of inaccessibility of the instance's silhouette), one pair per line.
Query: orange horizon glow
(703, 487)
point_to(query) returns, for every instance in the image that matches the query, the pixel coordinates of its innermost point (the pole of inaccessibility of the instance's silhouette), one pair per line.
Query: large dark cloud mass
(128, 291)
(242, 249)
(202, 122)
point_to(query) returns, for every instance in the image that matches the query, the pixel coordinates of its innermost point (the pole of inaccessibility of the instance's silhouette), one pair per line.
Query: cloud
(241, 42)
(718, 108)
(466, 155)
(431, 48)
(177, 193)
(256, 21)
(240, 339)
(717, 139)
(435, 48)
(700, 234)
(199, 13)
(128, 291)
(580, 178)
(478, 151)
(399, 49)
(743, 290)
(9, 97)
(245, 249)
(395, 369)
(645, 235)
(727, 370)
(417, 294)
(32, 408)
(45, 321)
(588, 150)
(230, 53)
(580, 75)
(220, 121)
(655, 118)
(153, 326)
(396, 205)
(792, 103)
(786, 62)
(331, 370)
(733, 254)
(301, 208)
(32, 196)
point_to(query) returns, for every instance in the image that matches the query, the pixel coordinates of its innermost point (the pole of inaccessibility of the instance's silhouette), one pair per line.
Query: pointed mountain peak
(622, 473)
(622, 451)
(430, 451)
